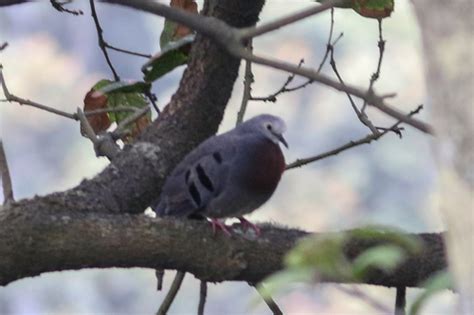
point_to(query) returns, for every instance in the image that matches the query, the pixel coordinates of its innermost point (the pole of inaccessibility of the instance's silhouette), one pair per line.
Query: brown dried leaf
(138, 127)
(92, 101)
(189, 6)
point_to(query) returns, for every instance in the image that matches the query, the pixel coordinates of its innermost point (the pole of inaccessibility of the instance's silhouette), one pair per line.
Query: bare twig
(284, 88)
(364, 119)
(86, 127)
(231, 39)
(110, 110)
(290, 19)
(248, 80)
(371, 98)
(60, 7)
(3, 46)
(5, 176)
(121, 127)
(361, 295)
(329, 42)
(268, 299)
(12, 98)
(400, 301)
(376, 74)
(202, 297)
(152, 98)
(126, 51)
(103, 145)
(366, 140)
(102, 44)
(160, 274)
(169, 298)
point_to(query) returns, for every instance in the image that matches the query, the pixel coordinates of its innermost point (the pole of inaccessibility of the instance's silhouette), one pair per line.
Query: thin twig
(284, 88)
(361, 295)
(60, 7)
(169, 298)
(290, 19)
(202, 297)
(104, 145)
(5, 176)
(110, 110)
(160, 274)
(400, 301)
(152, 98)
(121, 127)
(86, 127)
(364, 119)
(13, 98)
(101, 40)
(329, 42)
(231, 39)
(248, 80)
(371, 98)
(126, 51)
(268, 299)
(376, 74)
(366, 140)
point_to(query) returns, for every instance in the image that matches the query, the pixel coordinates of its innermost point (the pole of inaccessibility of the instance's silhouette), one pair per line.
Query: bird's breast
(267, 164)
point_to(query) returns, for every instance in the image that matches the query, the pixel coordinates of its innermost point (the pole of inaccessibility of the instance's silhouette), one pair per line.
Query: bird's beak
(282, 140)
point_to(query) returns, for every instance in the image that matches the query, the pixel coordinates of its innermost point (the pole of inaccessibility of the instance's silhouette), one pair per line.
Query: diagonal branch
(101, 40)
(5, 177)
(231, 39)
(351, 144)
(13, 98)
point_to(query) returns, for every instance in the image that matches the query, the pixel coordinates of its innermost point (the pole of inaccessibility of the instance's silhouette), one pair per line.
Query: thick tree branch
(41, 240)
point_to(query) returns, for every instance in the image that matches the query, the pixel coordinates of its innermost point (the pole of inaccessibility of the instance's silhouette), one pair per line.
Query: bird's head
(269, 126)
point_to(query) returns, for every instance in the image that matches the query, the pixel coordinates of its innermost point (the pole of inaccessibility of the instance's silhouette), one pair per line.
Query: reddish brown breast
(268, 163)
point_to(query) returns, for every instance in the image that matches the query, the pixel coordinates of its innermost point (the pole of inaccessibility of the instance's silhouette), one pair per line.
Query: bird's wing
(198, 178)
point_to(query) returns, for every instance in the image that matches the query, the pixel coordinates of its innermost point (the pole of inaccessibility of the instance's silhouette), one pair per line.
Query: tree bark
(447, 30)
(37, 242)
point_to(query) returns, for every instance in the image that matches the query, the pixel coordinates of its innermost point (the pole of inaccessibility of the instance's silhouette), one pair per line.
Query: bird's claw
(247, 224)
(217, 224)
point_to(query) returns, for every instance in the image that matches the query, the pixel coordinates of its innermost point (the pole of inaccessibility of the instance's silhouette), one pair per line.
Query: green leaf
(168, 33)
(323, 254)
(280, 280)
(410, 243)
(125, 99)
(173, 55)
(384, 257)
(125, 87)
(438, 282)
(123, 94)
(377, 9)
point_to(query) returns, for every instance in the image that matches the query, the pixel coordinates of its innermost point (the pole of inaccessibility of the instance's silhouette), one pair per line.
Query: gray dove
(228, 175)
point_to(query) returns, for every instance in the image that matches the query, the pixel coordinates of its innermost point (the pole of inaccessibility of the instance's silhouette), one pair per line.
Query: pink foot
(216, 224)
(247, 224)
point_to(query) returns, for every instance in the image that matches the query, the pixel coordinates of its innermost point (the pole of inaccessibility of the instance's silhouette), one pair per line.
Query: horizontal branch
(50, 239)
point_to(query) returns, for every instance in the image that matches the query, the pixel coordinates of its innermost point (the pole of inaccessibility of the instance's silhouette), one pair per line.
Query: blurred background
(53, 58)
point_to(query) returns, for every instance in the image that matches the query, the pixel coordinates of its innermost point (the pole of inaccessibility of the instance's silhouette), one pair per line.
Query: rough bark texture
(447, 30)
(37, 242)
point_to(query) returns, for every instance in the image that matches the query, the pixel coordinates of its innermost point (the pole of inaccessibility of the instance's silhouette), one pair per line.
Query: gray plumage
(228, 175)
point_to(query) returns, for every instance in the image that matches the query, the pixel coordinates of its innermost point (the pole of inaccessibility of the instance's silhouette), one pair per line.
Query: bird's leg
(217, 224)
(247, 224)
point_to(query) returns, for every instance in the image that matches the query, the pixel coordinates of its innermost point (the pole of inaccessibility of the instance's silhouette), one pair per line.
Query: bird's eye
(269, 127)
